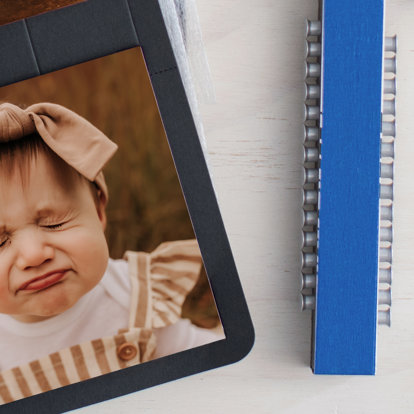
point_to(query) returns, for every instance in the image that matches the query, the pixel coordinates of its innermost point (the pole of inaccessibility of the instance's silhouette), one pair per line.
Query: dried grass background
(146, 206)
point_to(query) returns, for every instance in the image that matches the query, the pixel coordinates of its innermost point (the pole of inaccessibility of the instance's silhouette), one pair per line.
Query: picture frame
(92, 29)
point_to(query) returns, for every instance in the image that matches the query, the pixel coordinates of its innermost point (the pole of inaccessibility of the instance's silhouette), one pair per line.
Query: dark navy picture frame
(89, 30)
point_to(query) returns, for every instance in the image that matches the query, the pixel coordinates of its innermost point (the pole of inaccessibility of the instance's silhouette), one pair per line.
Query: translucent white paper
(183, 28)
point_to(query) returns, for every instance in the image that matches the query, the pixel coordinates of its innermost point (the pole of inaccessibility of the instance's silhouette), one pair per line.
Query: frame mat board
(89, 30)
(13, 10)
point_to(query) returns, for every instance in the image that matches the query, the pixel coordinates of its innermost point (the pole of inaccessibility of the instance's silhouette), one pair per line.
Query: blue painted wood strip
(346, 297)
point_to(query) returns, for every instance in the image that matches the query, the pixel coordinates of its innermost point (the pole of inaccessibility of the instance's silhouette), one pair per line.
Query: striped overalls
(160, 282)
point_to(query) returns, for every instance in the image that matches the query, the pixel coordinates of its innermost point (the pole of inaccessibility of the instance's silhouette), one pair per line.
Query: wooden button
(127, 351)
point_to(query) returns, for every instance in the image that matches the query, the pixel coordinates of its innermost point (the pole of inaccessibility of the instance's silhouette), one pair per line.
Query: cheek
(3, 297)
(7, 304)
(4, 286)
(89, 251)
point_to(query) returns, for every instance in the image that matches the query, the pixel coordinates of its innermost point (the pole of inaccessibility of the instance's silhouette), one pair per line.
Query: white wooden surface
(254, 133)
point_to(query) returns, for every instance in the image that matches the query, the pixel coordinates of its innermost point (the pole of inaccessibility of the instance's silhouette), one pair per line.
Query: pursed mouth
(44, 281)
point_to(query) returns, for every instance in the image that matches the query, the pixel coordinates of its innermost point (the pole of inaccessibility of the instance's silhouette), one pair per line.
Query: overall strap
(77, 363)
(140, 313)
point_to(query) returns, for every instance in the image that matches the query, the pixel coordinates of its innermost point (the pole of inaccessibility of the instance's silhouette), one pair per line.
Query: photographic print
(100, 268)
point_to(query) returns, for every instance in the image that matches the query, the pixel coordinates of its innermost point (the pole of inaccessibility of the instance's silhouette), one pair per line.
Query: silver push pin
(385, 275)
(390, 86)
(386, 234)
(309, 260)
(385, 255)
(312, 112)
(386, 192)
(313, 49)
(308, 302)
(388, 128)
(384, 297)
(309, 239)
(313, 91)
(313, 70)
(310, 154)
(390, 65)
(308, 281)
(310, 197)
(388, 107)
(386, 213)
(384, 317)
(313, 28)
(309, 218)
(310, 175)
(387, 149)
(311, 134)
(387, 170)
(390, 44)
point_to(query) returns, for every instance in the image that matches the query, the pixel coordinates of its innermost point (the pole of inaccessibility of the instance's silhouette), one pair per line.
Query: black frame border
(95, 28)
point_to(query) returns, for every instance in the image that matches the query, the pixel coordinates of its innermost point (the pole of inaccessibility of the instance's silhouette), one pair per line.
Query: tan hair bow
(83, 146)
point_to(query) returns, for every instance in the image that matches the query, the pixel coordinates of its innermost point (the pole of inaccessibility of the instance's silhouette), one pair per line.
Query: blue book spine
(345, 317)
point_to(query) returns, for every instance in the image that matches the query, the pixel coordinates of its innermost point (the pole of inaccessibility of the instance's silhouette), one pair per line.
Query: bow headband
(74, 139)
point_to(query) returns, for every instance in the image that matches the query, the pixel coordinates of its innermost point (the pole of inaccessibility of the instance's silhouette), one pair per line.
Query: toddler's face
(52, 244)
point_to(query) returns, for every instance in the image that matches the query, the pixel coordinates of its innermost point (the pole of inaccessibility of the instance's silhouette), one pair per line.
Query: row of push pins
(311, 163)
(386, 181)
(311, 172)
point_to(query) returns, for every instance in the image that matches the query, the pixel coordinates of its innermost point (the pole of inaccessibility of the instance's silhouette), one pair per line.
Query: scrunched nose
(14, 122)
(33, 251)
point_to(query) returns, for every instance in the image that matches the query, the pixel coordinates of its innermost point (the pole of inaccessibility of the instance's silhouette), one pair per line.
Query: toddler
(67, 311)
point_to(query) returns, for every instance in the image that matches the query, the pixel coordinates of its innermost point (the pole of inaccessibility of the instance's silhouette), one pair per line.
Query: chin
(56, 305)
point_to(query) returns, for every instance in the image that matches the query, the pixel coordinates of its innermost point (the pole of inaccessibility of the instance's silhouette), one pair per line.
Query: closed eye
(54, 226)
(3, 243)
